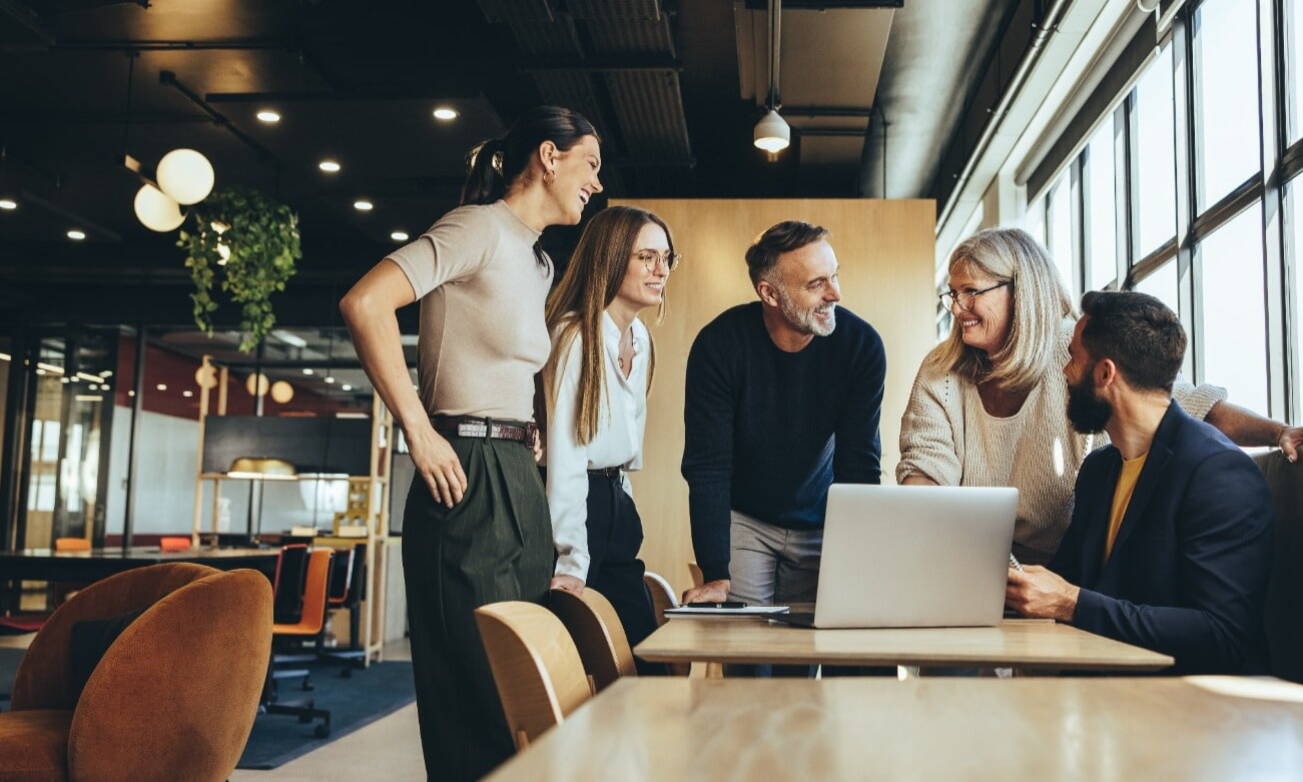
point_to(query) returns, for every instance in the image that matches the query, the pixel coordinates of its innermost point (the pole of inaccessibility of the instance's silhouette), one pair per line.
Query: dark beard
(1087, 413)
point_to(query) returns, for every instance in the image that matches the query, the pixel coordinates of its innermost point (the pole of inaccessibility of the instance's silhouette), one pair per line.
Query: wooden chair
(662, 595)
(596, 630)
(536, 667)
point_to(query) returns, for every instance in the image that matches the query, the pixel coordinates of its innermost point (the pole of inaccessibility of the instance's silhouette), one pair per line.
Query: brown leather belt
(606, 472)
(486, 428)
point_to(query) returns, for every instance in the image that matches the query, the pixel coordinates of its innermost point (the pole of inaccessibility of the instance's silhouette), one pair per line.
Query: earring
(549, 176)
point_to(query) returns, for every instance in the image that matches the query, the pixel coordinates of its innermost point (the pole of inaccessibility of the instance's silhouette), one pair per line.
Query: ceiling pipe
(1044, 29)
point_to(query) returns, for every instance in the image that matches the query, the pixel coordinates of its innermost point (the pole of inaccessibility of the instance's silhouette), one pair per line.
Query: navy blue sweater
(766, 431)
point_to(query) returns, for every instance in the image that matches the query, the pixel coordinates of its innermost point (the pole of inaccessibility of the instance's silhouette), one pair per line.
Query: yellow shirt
(1126, 485)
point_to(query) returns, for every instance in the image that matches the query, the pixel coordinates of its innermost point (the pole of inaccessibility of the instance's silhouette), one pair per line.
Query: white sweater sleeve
(1198, 400)
(931, 439)
(567, 467)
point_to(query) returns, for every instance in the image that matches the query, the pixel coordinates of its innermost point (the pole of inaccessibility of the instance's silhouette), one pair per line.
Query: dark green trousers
(496, 544)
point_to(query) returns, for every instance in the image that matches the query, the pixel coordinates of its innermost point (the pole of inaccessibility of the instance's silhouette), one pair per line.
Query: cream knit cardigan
(1036, 450)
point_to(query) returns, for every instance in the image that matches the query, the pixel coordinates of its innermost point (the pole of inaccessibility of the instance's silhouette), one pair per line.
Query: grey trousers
(779, 566)
(772, 565)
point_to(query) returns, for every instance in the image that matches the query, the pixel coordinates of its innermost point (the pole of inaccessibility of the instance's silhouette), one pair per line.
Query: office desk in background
(91, 566)
(1031, 644)
(945, 728)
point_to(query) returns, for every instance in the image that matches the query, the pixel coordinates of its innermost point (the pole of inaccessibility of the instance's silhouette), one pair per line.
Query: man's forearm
(1245, 427)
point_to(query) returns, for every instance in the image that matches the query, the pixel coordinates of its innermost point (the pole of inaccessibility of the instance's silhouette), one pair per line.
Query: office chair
(311, 622)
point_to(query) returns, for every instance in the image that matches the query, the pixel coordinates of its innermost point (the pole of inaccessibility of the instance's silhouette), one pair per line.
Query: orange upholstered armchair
(173, 697)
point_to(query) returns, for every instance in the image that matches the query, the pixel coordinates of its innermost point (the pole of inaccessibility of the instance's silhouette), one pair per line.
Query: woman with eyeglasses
(596, 382)
(989, 404)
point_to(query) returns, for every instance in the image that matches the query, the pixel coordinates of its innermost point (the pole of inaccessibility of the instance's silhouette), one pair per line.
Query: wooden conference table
(1028, 644)
(945, 728)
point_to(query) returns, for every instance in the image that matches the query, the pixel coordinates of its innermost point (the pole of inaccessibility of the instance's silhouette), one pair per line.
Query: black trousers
(496, 544)
(614, 537)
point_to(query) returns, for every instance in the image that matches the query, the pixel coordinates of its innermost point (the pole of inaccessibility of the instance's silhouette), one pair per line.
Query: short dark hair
(782, 238)
(1138, 332)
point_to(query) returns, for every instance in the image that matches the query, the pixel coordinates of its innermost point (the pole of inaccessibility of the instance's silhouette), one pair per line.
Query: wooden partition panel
(886, 252)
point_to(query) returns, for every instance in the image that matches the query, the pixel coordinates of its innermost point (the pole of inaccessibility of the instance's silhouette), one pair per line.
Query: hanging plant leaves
(258, 239)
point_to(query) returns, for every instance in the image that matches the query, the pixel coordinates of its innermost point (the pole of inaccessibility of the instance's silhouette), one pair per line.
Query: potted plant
(252, 243)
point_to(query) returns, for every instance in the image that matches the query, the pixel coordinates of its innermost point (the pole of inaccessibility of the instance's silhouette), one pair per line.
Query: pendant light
(772, 133)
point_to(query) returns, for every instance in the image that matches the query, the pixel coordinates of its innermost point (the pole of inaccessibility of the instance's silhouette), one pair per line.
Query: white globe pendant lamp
(157, 210)
(185, 175)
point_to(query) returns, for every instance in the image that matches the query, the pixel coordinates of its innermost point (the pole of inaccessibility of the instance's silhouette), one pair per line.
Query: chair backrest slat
(595, 627)
(535, 664)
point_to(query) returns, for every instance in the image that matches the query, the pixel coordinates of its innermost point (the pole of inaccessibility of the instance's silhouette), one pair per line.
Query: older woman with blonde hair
(989, 404)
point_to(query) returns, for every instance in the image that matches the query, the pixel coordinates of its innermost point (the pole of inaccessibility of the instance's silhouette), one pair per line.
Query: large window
(1059, 227)
(1155, 155)
(1226, 97)
(1196, 133)
(1294, 53)
(1234, 322)
(1163, 285)
(1101, 208)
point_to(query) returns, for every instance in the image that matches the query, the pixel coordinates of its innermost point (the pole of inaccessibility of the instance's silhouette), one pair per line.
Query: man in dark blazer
(1169, 545)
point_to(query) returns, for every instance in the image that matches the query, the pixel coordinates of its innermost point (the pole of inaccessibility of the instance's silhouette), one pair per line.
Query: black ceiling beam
(604, 64)
(168, 78)
(823, 5)
(831, 131)
(825, 111)
(344, 95)
(99, 118)
(129, 45)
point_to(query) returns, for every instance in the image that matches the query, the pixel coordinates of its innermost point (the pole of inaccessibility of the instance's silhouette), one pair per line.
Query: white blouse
(621, 420)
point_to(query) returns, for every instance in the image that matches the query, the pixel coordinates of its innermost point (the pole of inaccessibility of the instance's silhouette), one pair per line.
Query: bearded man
(1170, 542)
(783, 398)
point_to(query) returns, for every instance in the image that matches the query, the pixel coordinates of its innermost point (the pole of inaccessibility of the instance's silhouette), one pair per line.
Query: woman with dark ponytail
(476, 529)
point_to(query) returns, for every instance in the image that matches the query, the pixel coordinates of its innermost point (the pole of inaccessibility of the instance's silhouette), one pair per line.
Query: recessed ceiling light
(269, 116)
(307, 371)
(330, 379)
(399, 236)
(329, 166)
(76, 235)
(363, 205)
(161, 386)
(346, 387)
(187, 393)
(8, 204)
(445, 113)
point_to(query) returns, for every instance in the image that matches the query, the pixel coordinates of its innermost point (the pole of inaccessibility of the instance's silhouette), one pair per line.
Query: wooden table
(1033, 644)
(92, 565)
(947, 728)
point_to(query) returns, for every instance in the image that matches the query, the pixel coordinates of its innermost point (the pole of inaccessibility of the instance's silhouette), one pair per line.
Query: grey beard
(804, 320)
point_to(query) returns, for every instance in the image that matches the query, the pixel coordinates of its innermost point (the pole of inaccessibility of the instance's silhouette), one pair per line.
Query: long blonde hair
(576, 306)
(1040, 305)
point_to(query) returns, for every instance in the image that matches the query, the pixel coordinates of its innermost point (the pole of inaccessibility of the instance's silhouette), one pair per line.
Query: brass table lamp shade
(262, 467)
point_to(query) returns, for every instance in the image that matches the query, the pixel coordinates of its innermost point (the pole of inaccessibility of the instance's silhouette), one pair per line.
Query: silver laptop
(913, 556)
